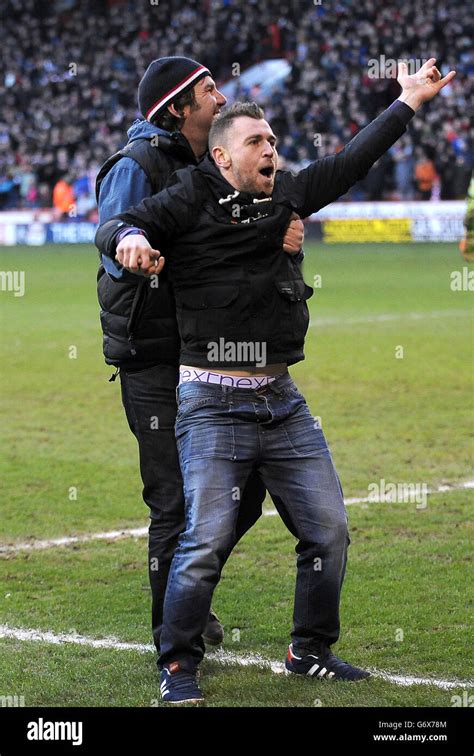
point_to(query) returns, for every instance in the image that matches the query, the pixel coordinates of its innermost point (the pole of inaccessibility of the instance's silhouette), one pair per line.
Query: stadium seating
(71, 69)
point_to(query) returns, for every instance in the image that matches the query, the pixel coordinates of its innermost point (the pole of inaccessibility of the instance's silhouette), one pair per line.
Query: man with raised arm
(242, 318)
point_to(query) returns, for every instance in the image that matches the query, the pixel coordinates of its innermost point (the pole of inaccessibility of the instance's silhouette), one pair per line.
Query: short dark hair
(167, 121)
(225, 119)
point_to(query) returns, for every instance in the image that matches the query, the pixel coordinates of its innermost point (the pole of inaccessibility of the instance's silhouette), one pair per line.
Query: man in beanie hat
(179, 101)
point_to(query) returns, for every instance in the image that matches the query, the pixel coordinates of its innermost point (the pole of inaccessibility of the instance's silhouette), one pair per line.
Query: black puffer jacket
(138, 321)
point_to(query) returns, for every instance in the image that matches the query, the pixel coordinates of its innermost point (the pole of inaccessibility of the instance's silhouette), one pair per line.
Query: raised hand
(423, 85)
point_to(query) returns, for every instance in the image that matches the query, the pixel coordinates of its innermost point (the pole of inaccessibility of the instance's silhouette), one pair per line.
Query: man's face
(209, 103)
(251, 145)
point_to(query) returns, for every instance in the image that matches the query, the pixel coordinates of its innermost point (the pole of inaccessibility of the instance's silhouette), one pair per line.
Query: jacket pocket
(211, 297)
(293, 309)
(294, 290)
(208, 314)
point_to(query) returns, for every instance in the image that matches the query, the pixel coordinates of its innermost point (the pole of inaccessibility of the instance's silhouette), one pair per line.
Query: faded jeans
(223, 435)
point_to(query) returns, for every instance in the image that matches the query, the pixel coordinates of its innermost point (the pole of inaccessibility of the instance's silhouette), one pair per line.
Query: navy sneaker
(213, 633)
(323, 664)
(179, 686)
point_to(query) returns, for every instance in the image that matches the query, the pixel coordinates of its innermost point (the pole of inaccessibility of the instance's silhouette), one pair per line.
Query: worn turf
(394, 395)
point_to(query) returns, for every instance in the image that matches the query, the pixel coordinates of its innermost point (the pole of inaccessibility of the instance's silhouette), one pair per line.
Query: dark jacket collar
(224, 192)
(172, 142)
(177, 144)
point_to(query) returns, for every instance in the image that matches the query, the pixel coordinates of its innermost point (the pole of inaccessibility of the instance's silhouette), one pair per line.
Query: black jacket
(139, 322)
(231, 283)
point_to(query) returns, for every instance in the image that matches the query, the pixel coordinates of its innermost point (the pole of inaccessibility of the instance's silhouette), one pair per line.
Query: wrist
(128, 232)
(411, 99)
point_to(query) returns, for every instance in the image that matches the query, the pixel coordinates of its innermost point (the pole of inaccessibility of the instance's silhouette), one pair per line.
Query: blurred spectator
(404, 164)
(445, 165)
(28, 190)
(462, 175)
(8, 191)
(466, 245)
(70, 69)
(63, 199)
(425, 175)
(83, 190)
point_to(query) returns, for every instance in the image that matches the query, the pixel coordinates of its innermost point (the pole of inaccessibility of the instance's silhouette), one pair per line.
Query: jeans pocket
(192, 403)
(294, 392)
(201, 435)
(304, 435)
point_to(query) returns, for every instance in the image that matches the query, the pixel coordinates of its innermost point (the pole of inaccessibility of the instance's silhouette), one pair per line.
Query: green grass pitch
(388, 370)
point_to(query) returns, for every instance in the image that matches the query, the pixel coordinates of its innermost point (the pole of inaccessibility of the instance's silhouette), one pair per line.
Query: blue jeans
(151, 393)
(223, 435)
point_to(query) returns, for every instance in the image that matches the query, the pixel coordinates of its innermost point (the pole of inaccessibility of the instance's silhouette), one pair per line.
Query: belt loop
(227, 394)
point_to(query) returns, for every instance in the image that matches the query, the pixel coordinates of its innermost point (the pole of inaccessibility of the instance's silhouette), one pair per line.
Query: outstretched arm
(325, 180)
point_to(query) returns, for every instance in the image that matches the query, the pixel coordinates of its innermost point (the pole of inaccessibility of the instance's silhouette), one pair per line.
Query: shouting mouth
(267, 172)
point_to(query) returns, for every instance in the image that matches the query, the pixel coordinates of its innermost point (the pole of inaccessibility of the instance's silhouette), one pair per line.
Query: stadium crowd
(70, 70)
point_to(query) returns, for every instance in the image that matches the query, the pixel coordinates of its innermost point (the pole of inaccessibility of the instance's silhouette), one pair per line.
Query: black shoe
(323, 664)
(213, 633)
(178, 686)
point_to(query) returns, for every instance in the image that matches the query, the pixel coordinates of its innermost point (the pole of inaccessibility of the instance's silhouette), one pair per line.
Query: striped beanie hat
(164, 80)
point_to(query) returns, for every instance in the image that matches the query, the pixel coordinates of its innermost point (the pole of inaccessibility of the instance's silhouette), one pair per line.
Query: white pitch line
(388, 317)
(222, 657)
(26, 634)
(110, 535)
(387, 500)
(114, 535)
(384, 500)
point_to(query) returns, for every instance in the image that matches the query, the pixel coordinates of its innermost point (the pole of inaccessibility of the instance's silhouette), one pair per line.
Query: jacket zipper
(137, 304)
